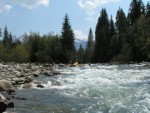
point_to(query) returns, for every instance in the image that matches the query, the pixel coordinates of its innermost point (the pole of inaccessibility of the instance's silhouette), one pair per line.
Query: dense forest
(124, 40)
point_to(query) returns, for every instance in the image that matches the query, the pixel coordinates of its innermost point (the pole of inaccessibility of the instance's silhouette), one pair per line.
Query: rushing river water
(91, 89)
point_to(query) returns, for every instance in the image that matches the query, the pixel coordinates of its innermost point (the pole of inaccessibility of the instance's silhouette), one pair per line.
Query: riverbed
(95, 88)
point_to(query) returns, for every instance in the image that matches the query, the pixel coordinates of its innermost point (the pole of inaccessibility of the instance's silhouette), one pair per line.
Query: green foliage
(89, 48)
(128, 39)
(101, 38)
(148, 10)
(80, 54)
(67, 40)
(0, 33)
(135, 10)
(19, 54)
(7, 38)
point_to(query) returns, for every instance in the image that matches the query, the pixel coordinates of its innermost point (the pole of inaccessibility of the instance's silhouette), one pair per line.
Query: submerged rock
(27, 86)
(40, 86)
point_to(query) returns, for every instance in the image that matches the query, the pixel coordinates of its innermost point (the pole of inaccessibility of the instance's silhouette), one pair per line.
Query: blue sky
(46, 16)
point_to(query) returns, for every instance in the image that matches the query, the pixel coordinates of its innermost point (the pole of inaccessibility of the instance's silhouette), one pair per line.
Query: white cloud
(4, 7)
(30, 4)
(91, 5)
(80, 35)
(7, 5)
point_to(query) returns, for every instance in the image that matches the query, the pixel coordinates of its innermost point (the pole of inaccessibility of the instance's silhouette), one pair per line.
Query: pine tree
(136, 9)
(67, 35)
(102, 38)
(111, 27)
(90, 47)
(80, 54)
(112, 33)
(0, 33)
(67, 39)
(121, 27)
(148, 10)
(6, 37)
(122, 37)
(10, 39)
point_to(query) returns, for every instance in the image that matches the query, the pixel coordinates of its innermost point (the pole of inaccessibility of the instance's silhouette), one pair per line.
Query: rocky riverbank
(14, 75)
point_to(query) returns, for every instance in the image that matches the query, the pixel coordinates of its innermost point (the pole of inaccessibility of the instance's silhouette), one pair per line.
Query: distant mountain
(24, 36)
(79, 42)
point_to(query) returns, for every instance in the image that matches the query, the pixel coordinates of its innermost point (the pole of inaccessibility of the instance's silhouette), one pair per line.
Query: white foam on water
(118, 88)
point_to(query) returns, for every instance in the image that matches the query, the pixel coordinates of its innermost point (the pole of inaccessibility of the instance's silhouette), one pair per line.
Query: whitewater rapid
(95, 88)
(115, 88)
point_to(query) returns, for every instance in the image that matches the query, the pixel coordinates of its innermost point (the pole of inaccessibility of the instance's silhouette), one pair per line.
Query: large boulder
(6, 86)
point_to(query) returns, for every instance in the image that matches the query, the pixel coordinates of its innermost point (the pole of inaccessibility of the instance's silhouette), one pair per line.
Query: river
(98, 88)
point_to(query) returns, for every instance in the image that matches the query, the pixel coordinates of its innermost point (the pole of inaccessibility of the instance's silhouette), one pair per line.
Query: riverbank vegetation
(123, 40)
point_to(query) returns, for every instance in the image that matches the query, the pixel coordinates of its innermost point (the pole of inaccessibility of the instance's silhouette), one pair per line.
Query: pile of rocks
(24, 73)
(13, 74)
(5, 103)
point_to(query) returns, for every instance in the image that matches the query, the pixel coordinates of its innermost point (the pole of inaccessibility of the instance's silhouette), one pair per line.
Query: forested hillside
(125, 39)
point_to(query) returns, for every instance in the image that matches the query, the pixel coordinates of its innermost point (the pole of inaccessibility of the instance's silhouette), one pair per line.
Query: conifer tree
(0, 33)
(102, 38)
(80, 54)
(148, 10)
(112, 34)
(90, 47)
(67, 39)
(6, 37)
(111, 27)
(135, 10)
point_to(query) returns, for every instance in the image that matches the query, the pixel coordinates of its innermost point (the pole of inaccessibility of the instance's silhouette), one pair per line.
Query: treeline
(123, 40)
(41, 48)
(127, 39)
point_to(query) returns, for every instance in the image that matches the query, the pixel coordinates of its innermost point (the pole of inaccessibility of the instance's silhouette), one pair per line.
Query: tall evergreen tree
(67, 39)
(148, 10)
(111, 27)
(102, 38)
(80, 54)
(0, 35)
(10, 39)
(67, 35)
(121, 27)
(135, 10)
(6, 37)
(112, 34)
(90, 47)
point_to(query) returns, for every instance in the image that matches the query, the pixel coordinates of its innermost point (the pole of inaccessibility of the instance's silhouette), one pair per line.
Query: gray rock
(28, 79)
(47, 73)
(6, 86)
(36, 74)
(55, 73)
(2, 97)
(19, 80)
(27, 86)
